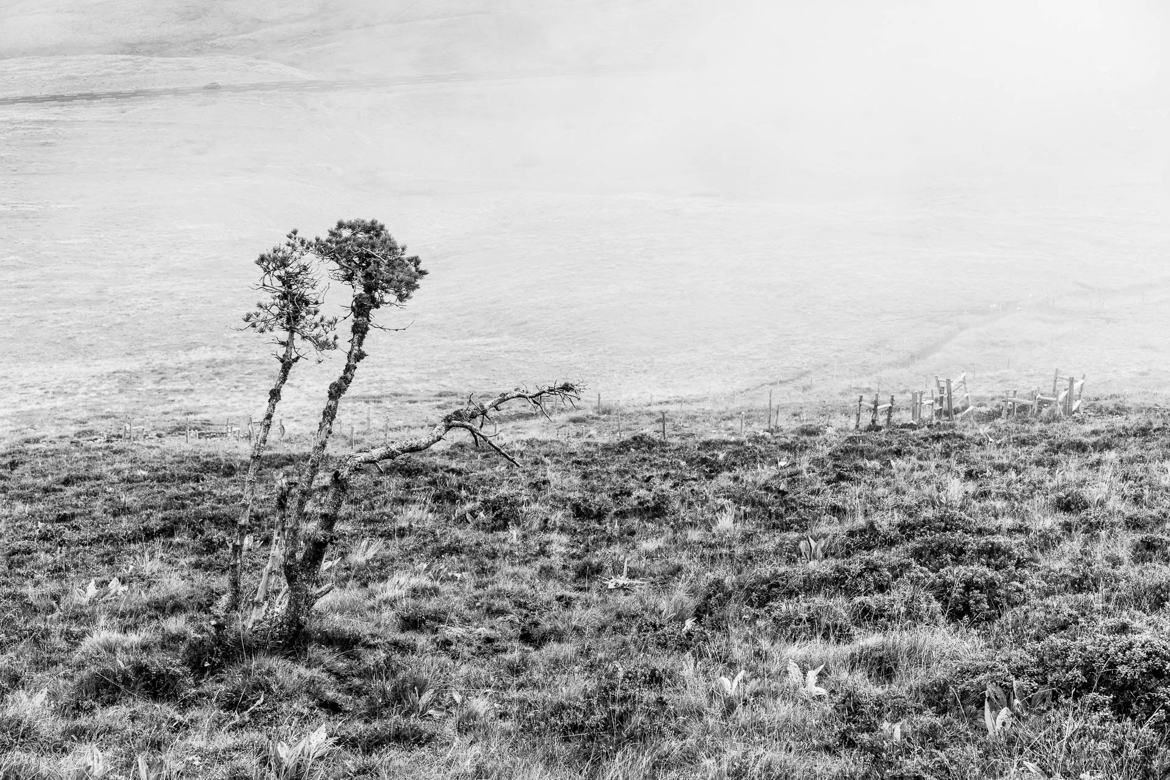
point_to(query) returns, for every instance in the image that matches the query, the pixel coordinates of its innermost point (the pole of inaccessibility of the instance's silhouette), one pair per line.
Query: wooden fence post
(1068, 401)
(873, 413)
(857, 424)
(187, 432)
(890, 413)
(950, 402)
(664, 426)
(769, 410)
(351, 439)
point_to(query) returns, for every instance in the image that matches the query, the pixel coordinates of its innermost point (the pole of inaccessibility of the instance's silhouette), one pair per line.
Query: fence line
(950, 402)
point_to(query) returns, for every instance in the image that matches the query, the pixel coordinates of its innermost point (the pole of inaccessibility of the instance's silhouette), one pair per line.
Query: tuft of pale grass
(403, 585)
(363, 553)
(725, 520)
(110, 642)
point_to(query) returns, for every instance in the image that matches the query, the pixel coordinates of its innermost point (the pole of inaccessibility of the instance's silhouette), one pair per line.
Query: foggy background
(696, 200)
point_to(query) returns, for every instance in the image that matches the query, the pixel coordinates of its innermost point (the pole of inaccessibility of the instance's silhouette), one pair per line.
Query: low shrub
(388, 732)
(1150, 548)
(957, 548)
(936, 520)
(108, 675)
(1071, 501)
(975, 593)
(862, 575)
(499, 510)
(1126, 659)
(898, 608)
(1088, 570)
(802, 620)
(617, 707)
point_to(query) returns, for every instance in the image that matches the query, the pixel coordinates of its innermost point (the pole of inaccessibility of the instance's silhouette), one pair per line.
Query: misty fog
(677, 199)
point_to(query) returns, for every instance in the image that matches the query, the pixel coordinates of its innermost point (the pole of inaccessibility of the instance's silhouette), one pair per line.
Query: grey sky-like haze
(656, 197)
(764, 98)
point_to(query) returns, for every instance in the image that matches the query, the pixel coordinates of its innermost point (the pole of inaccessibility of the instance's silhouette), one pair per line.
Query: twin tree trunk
(301, 571)
(244, 525)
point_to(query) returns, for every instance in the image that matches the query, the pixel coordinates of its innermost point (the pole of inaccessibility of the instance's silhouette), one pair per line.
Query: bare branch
(471, 418)
(392, 330)
(477, 435)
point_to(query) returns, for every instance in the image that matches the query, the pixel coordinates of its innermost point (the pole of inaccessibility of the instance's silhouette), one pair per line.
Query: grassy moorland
(574, 617)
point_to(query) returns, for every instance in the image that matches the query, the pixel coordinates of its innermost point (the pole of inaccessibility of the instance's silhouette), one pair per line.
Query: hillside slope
(628, 609)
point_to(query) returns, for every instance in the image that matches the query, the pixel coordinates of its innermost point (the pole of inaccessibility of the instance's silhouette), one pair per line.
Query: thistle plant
(813, 549)
(299, 760)
(1001, 709)
(805, 682)
(735, 691)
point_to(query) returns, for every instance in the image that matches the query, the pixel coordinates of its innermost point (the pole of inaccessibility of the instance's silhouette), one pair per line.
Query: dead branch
(471, 419)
